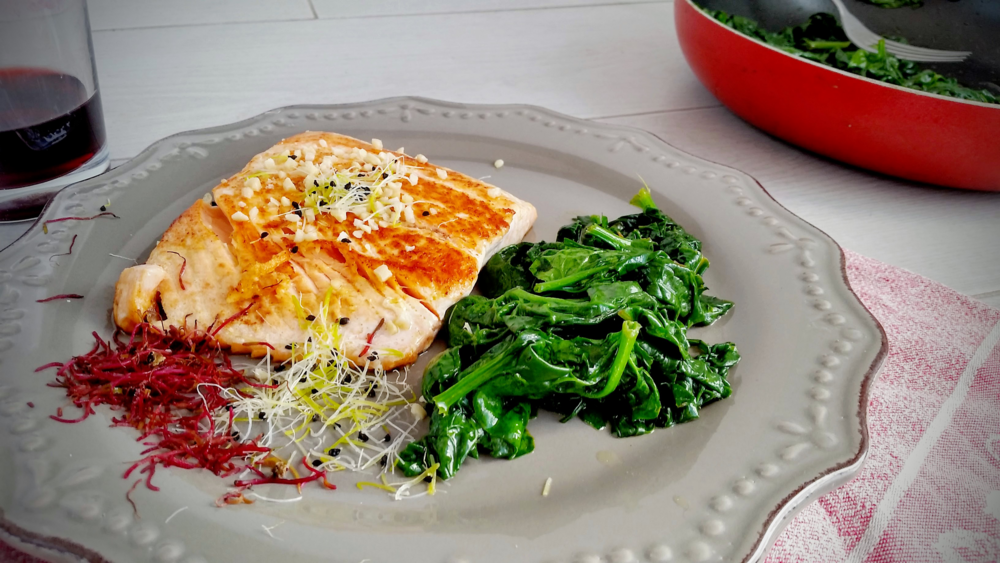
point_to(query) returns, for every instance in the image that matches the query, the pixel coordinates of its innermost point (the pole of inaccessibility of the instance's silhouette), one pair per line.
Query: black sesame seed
(303, 380)
(288, 346)
(345, 240)
(104, 208)
(311, 318)
(371, 394)
(293, 157)
(229, 407)
(372, 357)
(313, 391)
(334, 452)
(385, 175)
(282, 367)
(426, 213)
(316, 183)
(295, 249)
(295, 204)
(387, 438)
(337, 424)
(362, 436)
(236, 435)
(383, 461)
(317, 463)
(298, 212)
(263, 235)
(214, 204)
(344, 320)
(315, 418)
(261, 416)
(347, 378)
(347, 186)
(428, 479)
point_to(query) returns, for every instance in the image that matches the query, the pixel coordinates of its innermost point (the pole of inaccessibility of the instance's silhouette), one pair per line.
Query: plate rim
(778, 517)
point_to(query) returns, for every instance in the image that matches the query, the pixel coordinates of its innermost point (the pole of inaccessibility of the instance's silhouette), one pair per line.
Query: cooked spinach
(895, 3)
(593, 326)
(821, 39)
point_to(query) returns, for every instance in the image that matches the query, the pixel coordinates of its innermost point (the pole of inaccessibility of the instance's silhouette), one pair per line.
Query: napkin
(929, 490)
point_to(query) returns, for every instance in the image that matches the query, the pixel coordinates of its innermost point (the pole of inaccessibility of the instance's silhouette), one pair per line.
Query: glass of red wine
(51, 122)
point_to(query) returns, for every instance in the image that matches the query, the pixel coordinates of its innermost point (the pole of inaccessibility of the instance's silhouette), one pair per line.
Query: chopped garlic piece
(498, 163)
(322, 143)
(409, 248)
(254, 213)
(547, 487)
(383, 272)
(358, 234)
(408, 213)
(241, 204)
(246, 192)
(406, 198)
(442, 173)
(239, 217)
(418, 412)
(400, 150)
(377, 144)
(300, 235)
(493, 192)
(207, 198)
(434, 211)
(310, 215)
(413, 178)
(342, 236)
(292, 218)
(253, 183)
(286, 202)
(287, 184)
(269, 164)
(421, 159)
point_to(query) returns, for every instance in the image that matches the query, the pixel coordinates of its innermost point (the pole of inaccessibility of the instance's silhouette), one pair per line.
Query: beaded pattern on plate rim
(90, 506)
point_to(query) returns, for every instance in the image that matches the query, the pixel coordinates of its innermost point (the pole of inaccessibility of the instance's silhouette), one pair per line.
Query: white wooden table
(172, 65)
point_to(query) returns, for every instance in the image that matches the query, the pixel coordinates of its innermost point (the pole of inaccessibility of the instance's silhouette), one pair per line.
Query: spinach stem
(630, 332)
(568, 280)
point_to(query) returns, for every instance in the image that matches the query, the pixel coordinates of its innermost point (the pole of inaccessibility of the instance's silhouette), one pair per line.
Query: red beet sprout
(180, 274)
(238, 314)
(166, 384)
(45, 225)
(60, 296)
(68, 252)
(368, 343)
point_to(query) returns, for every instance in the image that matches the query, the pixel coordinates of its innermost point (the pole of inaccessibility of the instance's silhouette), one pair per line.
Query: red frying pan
(882, 127)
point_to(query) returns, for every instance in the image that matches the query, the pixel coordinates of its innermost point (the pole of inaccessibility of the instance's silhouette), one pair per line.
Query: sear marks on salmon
(391, 239)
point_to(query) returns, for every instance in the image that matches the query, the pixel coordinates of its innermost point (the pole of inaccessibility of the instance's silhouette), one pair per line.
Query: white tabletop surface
(172, 65)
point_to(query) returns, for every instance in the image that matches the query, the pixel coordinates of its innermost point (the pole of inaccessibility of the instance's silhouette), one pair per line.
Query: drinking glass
(51, 122)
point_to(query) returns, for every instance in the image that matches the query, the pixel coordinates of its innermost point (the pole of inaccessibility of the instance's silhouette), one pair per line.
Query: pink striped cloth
(930, 488)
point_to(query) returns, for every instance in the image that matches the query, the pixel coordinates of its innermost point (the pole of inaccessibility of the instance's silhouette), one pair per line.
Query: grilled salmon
(386, 240)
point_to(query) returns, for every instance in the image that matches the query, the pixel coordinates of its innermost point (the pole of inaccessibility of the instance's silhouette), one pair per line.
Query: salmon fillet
(390, 241)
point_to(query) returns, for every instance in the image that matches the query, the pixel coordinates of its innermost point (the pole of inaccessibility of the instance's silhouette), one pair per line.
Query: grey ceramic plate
(716, 489)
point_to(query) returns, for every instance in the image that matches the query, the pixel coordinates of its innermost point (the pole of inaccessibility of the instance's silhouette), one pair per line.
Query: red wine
(48, 126)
